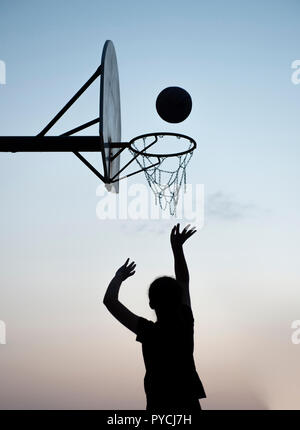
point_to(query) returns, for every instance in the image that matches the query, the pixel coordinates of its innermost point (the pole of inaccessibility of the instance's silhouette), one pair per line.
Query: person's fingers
(191, 232)
(131, 273)
(173, 230)
(126, 262)
(177, 228)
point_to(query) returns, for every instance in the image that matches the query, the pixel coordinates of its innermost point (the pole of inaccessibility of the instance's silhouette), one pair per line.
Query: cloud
(224, 206)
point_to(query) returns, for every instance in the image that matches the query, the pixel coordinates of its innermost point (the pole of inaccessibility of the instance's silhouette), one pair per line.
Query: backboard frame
(110, 115)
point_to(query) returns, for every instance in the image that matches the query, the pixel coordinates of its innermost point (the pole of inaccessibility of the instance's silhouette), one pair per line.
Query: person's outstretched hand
(177, 238)
(126, 270)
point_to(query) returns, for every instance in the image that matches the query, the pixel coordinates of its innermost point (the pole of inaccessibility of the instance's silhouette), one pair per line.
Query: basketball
(174, 104)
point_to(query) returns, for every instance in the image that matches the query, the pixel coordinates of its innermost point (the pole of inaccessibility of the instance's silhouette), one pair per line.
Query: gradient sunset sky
(64, 350)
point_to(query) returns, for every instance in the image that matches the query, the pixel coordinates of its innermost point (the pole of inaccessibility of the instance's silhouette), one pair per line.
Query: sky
(63, 349)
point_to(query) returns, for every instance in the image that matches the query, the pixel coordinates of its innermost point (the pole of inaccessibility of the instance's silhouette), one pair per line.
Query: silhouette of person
(171, 380)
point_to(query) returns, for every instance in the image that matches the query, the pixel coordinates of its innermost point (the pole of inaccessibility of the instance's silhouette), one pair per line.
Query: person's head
(165, 293)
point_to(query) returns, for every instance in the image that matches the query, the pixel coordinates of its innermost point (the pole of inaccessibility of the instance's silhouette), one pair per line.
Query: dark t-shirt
(168, 347)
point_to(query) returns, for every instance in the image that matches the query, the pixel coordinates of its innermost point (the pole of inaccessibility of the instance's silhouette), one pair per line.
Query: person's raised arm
(181, 269)
(111, 298)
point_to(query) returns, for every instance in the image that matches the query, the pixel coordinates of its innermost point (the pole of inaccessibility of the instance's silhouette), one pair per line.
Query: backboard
(110, 113)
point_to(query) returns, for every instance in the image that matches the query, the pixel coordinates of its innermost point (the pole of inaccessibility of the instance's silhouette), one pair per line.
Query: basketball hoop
(165, 172)
(165, 179)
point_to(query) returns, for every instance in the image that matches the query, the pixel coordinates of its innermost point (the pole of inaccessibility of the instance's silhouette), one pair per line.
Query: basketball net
(166, 176)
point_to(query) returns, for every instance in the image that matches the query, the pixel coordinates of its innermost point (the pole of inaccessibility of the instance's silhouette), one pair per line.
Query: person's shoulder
(187, 312)
(144, 323)
(144, 328)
